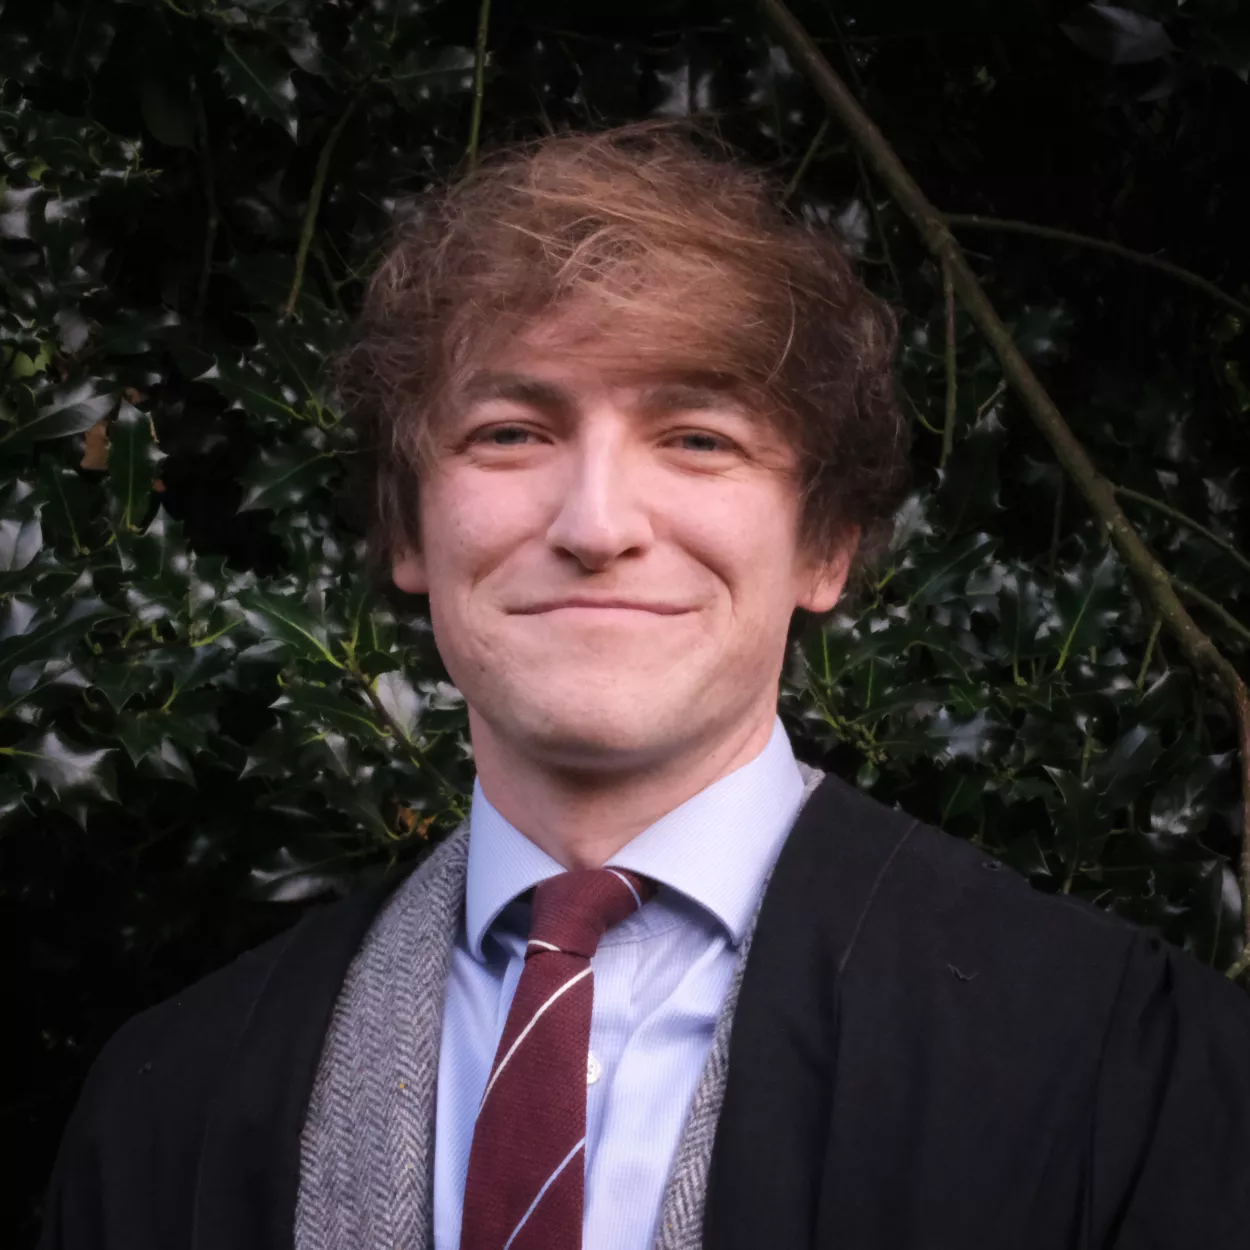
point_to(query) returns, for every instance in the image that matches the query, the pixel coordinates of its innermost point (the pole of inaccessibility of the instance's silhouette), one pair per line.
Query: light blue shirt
(660, 978)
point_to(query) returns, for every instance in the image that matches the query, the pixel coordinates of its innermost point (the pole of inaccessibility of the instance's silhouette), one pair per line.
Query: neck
(582, 817)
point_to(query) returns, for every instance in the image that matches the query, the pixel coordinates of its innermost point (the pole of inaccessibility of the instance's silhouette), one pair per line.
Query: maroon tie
(527, 1166)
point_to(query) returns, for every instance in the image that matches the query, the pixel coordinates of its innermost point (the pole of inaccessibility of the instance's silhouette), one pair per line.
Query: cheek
(748, 539)
(470, 523)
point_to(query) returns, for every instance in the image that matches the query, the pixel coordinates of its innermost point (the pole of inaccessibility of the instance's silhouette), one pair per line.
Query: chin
(601, 733)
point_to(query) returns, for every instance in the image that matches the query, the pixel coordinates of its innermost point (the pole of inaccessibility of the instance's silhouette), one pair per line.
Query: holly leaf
(166, 115)
(1118, 35)
(67, 410)
(284, 619)
(401, 701)
(65, 767)
(261, 84)
(133, 462)
(281, 478)
(331, 709)
(47, 634)
(21, 535)
(1126, 767)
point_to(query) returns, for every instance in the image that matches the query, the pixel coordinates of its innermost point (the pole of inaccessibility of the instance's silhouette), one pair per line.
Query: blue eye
(503, 436)
(703, 441)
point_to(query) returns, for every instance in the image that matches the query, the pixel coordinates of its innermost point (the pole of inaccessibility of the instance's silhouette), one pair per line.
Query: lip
(619, 605)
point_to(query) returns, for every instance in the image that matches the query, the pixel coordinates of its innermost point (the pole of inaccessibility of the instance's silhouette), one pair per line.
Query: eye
(702, 440)
(502, 436)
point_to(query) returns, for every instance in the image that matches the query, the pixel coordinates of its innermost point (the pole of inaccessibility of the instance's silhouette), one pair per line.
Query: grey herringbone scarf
(367, 1150)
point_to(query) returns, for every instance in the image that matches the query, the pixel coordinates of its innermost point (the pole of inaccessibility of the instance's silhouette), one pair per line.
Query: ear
(408, 571)
(823, 582)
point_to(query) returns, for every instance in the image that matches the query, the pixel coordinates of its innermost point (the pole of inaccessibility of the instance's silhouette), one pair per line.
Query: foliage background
(209, 716)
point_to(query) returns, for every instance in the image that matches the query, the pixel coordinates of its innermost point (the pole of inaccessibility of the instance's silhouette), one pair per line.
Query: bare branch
(479, 80)
(974, 221)
(1216, 608)
(952, 374)
(808, 157)
(1186, 520)
(210, 205)
(1097, 491)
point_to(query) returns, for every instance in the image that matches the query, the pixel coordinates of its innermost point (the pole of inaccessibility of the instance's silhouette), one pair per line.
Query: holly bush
(213, 710)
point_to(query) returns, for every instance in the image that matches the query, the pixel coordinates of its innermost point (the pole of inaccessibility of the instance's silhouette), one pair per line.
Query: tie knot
(574, 910)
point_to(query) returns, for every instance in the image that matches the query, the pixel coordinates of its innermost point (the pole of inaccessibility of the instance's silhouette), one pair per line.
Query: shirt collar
(716, 848)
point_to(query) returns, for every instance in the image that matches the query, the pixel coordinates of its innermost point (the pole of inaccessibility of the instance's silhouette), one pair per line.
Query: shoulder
(235, 1053)
(915, 901)
(166, 1064)
(202, 1023)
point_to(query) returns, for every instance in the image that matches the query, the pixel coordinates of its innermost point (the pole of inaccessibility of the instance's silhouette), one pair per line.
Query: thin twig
(1213, 606)
(210, 202)
(319, 253)
(952, 376)
(1056, 526)
(975, 221)
(995, 395)
(915, 411)
(1177, 515)
(1240, 964)
(1155, 626)
(848, 58)
(1097, 491)
(808, 157)
(313, 210)
(479, 80)
(878, 224)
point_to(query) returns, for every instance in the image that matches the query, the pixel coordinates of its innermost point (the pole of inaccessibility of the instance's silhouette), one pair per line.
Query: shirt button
(594, 1069)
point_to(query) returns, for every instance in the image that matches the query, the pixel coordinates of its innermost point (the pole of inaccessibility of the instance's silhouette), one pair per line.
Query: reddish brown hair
(678, 261)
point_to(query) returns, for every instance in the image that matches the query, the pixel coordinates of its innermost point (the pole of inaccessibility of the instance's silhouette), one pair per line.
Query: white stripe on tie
(568, 985)
(547, 1184)
(628, 885)
(547, 946)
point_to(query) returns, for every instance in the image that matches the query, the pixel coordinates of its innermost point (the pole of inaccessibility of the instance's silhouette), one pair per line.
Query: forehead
(557, 358)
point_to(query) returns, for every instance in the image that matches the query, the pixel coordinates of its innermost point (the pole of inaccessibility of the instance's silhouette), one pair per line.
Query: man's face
(611, 566)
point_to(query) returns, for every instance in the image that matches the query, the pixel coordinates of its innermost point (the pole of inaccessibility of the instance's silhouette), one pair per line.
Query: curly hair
(680, 261)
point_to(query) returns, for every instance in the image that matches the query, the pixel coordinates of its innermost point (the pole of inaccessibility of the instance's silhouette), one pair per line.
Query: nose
(601, 515)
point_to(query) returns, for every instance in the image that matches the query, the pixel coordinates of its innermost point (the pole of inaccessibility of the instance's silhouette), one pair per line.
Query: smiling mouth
(604, 605)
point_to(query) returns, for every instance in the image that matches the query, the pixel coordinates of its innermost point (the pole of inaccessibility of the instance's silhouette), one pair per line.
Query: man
(666, 987)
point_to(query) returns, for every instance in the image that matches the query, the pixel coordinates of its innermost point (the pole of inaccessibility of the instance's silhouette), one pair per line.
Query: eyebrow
(690, 393)
(518, 389)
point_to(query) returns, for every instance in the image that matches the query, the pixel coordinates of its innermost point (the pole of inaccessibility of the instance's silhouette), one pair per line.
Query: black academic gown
(926, 1054)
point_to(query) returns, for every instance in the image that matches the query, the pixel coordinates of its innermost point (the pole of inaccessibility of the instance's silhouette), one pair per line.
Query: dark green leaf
(281, 479)
(285, 620)
(259, 82)
(66, 410)
(133, 462)
(65, 767)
